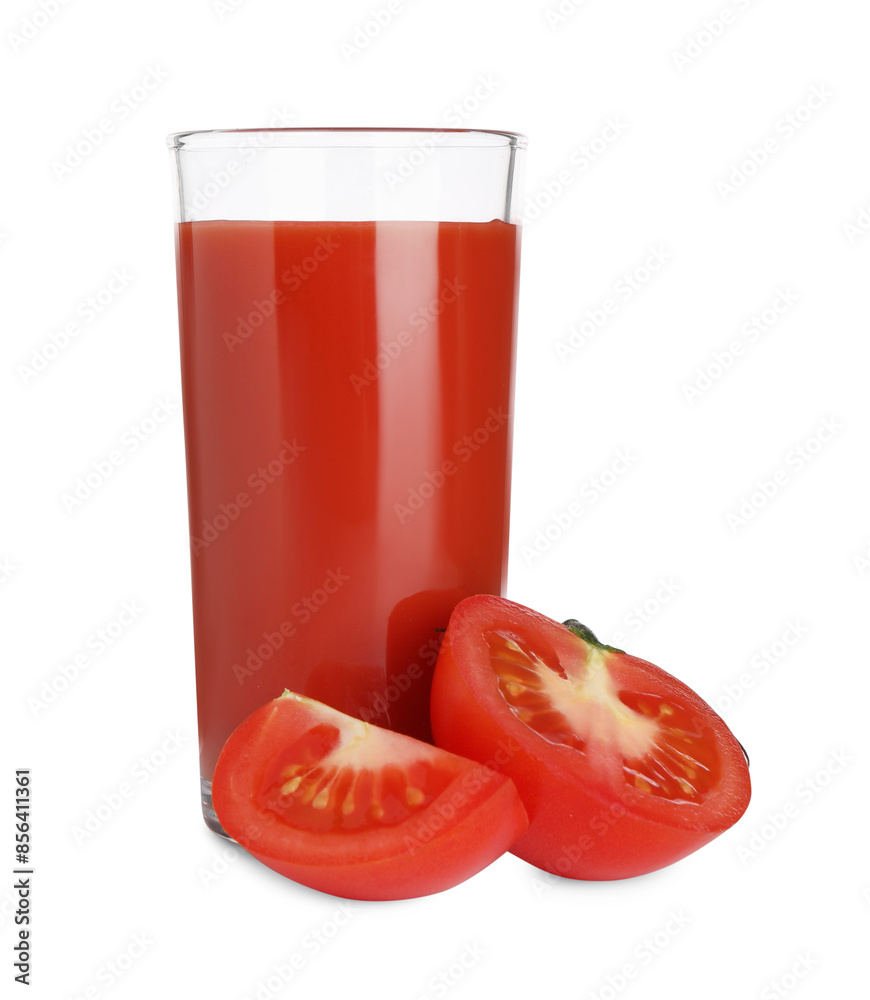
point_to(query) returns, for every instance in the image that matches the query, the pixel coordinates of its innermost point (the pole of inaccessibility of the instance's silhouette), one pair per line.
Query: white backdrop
(692, 376)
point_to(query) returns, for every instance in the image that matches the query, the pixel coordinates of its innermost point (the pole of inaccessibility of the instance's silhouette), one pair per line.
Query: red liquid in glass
(347, 392)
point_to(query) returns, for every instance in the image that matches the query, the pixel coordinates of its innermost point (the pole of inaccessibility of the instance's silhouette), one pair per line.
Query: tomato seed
(414, 797)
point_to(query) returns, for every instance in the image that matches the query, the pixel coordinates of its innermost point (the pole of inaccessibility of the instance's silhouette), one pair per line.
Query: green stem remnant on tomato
(587, 635)
(593, 731)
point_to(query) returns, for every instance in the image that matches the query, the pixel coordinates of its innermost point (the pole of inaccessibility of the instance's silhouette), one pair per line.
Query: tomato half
(351, 809)
(622, 768)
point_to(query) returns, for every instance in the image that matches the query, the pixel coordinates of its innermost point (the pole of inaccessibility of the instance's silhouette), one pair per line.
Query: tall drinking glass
(347, 306)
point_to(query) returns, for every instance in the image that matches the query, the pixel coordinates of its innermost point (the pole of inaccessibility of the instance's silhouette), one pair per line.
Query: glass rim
(209, 140)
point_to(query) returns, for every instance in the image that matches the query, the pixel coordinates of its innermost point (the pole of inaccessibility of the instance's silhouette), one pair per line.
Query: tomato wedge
(351, 809)
(622, 768)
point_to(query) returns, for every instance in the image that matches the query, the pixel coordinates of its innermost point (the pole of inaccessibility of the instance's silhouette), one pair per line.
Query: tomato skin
(575, 829)
(474, 843)
(470, 824)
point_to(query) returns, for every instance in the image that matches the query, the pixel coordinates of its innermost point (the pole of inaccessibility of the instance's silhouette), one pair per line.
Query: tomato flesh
(349, 808)
(663, 751)
(332, 780)
(622, 768)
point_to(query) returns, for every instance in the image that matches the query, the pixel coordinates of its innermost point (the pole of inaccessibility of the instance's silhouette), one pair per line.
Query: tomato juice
(347, 404)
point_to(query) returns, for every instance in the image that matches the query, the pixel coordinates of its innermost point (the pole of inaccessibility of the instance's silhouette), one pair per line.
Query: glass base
(208, 813)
